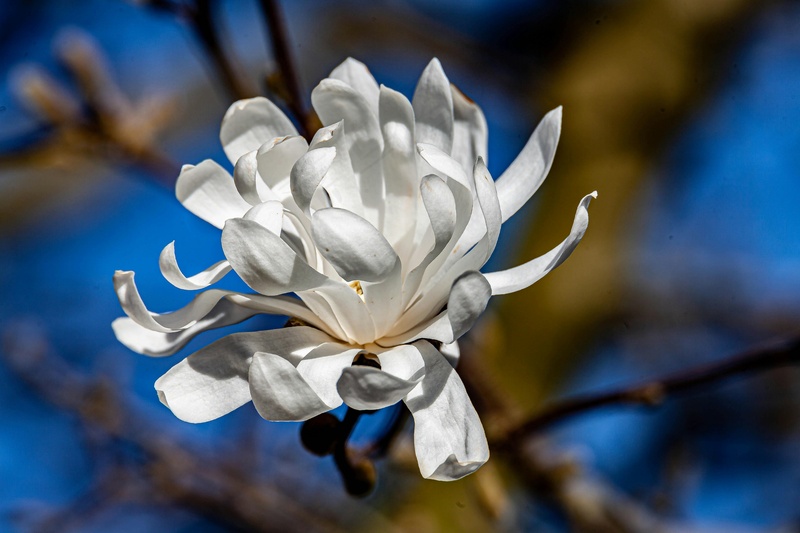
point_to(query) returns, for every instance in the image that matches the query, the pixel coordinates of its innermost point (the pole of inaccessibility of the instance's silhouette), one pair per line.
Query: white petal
(172, 272)
(286, 387)
(353, 246)
(275, 161)
(442, 213)
(399, 169)
(250, 123)
(208, 191)
(307, 175)
(470, 133)
(339, 181)
(433, 108)
(467, 300)
(209, 310)
(156, 344)
(280, 393)
(448, 436)
(366, 388)
(336, 101)
(524, 176)
(269, 215)
(263, 261)
(212, 382)
(350, 310)
(323, 366)
(356, 74)
(451, 352)
(247, 180)
(525, 275)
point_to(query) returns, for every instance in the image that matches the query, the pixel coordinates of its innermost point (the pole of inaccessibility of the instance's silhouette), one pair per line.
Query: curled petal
(208, 191)
(250, 123)
(353, 246)
(524, 176)
(448, 436)
(307, 175)
(433, 108)
(263, 261)
(525, 275)
(172, 272)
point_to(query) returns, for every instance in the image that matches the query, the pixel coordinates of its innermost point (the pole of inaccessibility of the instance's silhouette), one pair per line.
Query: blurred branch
(175, 472)
(289, 76)
(654, 392)
(200, 16)
(202, 22)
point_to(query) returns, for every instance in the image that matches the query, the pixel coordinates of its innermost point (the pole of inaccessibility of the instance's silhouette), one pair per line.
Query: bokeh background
(682, 114)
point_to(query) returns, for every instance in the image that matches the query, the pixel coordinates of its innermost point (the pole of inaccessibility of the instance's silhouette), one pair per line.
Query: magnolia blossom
(378, 227)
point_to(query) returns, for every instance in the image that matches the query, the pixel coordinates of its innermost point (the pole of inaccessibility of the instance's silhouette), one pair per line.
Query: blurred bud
(43, 95)
(320, 433)
(360, 479)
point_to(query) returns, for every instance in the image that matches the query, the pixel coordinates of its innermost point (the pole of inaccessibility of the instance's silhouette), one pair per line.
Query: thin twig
(279, 41)
(654, 392)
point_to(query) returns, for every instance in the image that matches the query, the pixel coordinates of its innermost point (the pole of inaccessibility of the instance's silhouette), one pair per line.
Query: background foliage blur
(682, 114)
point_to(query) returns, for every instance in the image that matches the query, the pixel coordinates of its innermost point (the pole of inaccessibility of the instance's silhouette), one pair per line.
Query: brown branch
(202, 21)
(279, 41)
(654, 392)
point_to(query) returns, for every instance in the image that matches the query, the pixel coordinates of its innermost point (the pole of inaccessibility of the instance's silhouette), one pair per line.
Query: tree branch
(654, 392)
(279, 41)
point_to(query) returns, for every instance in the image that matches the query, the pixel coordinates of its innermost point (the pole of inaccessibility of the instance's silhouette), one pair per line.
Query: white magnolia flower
(379, 226)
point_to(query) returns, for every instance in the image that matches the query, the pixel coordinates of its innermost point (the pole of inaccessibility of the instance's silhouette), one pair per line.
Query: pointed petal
(213, 381)
(250, 123)
(263, 261)
(525, 275)
(333, 101)
(433, 108)
(448, 436)
(172, 272)
(208, 191)
(399, 169)
(524, 176)
(353, 246)
(470, 132)
(356, 74)
(307, 175)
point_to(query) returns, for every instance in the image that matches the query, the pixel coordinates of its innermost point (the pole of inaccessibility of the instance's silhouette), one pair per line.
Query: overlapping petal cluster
(379, 227)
